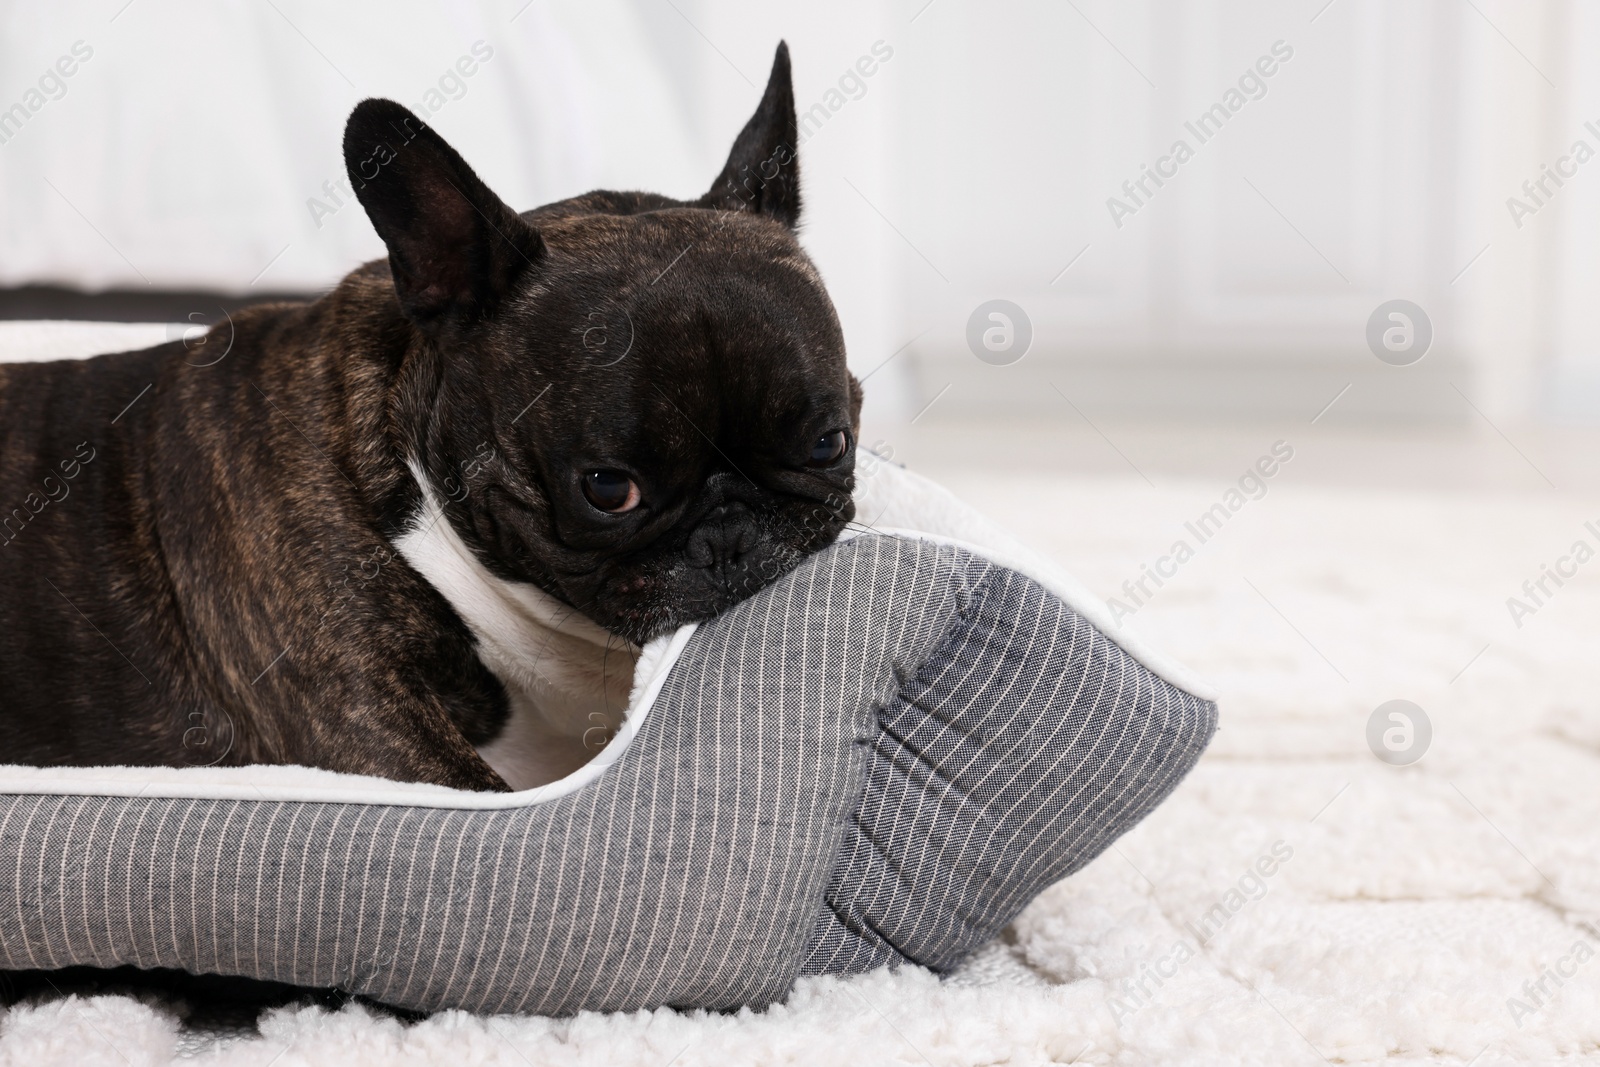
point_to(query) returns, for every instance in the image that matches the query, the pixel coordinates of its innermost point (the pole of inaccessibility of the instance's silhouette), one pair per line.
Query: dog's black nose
(722, 539)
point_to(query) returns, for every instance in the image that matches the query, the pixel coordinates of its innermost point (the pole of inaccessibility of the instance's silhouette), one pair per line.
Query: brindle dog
(622, 405)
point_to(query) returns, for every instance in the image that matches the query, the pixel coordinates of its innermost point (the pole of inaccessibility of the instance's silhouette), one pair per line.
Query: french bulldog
(420, 527)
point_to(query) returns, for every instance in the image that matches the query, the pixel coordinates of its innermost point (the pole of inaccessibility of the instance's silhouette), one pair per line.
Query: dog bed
(879, 759)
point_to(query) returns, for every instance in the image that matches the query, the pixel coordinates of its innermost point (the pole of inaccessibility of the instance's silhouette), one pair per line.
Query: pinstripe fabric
(1019, 750)
(911, 735)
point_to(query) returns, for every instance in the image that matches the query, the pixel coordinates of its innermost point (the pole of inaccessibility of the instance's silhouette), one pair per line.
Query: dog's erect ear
(455, 248)
(763, 170)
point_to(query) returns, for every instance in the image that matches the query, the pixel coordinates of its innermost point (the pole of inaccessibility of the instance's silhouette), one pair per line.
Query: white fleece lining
(313, 785)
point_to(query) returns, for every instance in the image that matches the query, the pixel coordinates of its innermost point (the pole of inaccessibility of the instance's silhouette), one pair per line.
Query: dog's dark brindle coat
(197, 553)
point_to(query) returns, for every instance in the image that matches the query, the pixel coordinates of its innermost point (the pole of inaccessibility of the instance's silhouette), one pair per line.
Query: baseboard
(1266, 386)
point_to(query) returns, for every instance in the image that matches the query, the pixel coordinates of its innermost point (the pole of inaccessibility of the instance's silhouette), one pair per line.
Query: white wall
(1375, 166)
(185, 151)
(976, 162)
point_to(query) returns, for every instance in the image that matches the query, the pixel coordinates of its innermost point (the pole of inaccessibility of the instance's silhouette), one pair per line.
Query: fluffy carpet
(1296, 901)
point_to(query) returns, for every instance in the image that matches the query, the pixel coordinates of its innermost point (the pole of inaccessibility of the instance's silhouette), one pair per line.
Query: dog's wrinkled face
(696, 439)
(640, 405)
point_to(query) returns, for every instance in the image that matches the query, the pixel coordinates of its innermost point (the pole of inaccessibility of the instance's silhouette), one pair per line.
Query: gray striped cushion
(883, 757)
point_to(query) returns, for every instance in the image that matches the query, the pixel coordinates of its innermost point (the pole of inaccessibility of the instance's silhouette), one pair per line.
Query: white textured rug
(1433, 913)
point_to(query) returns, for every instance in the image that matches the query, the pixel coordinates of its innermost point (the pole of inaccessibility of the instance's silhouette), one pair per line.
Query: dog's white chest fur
(567, 678)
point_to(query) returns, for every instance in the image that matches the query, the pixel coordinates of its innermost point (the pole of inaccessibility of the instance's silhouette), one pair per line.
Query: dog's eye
(611, 491)
(826, 450)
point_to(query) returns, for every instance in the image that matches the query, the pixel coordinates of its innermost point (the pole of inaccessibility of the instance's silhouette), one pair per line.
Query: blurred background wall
(1339, 155)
